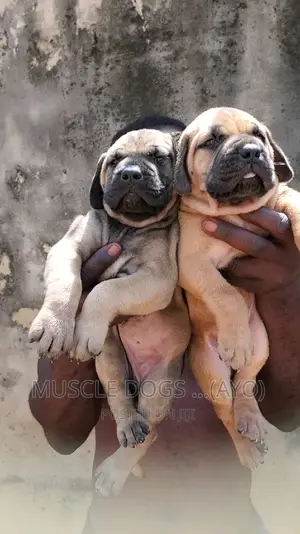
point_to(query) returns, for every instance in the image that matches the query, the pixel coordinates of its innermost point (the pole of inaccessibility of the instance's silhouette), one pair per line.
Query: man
(193, 477)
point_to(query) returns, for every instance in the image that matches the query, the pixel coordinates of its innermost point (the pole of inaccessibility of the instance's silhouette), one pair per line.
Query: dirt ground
(29, 508)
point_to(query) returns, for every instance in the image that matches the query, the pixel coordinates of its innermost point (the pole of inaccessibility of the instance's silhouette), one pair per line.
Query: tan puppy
(228, 164)
(135, 203)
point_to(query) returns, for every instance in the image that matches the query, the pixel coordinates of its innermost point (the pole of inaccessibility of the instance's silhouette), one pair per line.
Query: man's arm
(271, 270)
(64, 399)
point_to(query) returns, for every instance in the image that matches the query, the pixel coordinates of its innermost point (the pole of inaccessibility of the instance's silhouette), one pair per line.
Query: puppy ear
(282, 165)
(96, 191)
(181, 176)
(175, 140)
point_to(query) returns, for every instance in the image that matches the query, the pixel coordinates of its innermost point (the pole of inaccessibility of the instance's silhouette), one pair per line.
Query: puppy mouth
(134, 207)
(137, 200)
(251, 186)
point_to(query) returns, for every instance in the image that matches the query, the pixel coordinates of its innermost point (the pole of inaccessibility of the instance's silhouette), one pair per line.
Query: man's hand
(272, 264)
(98, 263)
(95, 266)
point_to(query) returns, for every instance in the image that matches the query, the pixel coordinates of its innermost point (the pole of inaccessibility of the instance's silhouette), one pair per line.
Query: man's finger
(275, 223)
(98, 263)
(252, 285)
(241, 239)
(247, 268)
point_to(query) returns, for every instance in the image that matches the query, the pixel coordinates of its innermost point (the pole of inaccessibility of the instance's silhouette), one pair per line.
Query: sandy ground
(276, 484)
(30, 508)
(42, 491)
(50, 504)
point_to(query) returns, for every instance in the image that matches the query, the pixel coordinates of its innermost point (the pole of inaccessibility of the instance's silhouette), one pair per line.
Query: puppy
(134, 202)
(228, 164)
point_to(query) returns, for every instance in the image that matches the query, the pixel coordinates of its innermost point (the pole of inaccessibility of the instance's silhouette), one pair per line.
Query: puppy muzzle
(134, 190)
(240, 172)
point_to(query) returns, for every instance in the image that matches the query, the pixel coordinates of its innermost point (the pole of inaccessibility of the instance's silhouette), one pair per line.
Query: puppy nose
(250, 152)
(131, 173)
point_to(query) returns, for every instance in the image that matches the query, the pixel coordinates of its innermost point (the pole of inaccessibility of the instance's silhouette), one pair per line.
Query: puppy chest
(139, 248)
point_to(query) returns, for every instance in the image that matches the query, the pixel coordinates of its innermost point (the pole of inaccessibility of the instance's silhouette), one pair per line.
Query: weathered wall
(72, 72)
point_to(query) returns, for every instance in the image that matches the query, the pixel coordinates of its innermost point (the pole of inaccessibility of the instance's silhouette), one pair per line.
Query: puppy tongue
(250, 175)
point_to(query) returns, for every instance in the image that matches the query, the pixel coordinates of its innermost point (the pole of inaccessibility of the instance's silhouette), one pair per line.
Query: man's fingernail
(209, 226)
(114, 250)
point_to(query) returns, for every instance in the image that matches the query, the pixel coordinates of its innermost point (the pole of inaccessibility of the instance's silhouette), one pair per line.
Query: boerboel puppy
(135, 203)
(228, 164)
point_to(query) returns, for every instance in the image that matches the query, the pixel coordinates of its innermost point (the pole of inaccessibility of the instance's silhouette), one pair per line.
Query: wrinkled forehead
(142, 142)
(227, 121)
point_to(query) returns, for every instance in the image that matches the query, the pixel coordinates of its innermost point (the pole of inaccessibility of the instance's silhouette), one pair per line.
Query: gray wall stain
(10, 379)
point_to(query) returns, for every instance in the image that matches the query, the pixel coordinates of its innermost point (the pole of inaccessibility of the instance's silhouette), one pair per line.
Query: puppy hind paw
(251, 427)
(133, 431)
(249, 421)
(251, 454)
(110, 480)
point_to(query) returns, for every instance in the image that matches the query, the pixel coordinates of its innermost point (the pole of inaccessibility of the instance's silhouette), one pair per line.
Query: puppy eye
(115, 160)
(209, 143)
(212, 142)
(260, 136)
(161, 158)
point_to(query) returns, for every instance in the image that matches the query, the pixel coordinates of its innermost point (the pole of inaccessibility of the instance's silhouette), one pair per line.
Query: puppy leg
(154, 402)
(132, 427)
(213, 377)
(248, 418)
(144, 292)
(112, 474)
(204, 283)
(53, 327)
(288, 202)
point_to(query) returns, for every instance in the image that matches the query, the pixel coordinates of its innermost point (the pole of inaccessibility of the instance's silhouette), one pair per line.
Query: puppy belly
(147, 342)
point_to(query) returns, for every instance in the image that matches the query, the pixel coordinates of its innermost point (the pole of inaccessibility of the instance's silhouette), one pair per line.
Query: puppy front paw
(235, 344)
(89, 339)
(52, 331)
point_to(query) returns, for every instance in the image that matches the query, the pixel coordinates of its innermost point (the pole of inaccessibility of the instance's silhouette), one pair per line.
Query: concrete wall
(72, 72)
